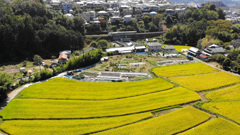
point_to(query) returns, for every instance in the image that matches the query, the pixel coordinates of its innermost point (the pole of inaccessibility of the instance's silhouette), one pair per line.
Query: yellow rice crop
(163, 125)
(206, 81)
(67, 127)
(227, 109)
(60, 88)
(231, 93)
(184, 70)
(42, 108)
(217, 126)
(179, 47)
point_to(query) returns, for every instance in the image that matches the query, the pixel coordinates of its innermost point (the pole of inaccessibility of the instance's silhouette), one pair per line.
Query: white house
(114, 18)
(127, 18)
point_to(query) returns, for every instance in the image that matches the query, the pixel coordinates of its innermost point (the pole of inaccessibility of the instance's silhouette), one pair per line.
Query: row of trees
(28, 28)
(229, 63)
(89, 58)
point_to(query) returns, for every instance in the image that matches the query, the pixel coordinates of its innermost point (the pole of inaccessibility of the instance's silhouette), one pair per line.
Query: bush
(218, 58)
(87, 59)
(43, 74)
(5, 85)
(37, 60)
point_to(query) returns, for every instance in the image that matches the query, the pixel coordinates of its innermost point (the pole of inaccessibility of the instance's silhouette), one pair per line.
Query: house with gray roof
(214, 49)
(154, 47)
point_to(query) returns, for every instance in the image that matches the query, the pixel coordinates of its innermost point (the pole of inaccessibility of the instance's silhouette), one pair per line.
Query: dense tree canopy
(28, 28)
(201, 27)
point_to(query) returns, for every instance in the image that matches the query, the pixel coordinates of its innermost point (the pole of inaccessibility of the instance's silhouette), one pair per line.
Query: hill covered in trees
(28, 28)
(201, 27)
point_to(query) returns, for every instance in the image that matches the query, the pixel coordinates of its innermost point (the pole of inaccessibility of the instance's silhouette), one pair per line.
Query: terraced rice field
(184, 70)
(45, 108)
(217, 126)
(228, 109)
(206, 81)
(62, 106)
(60, 88)
(68, 127)
(168, 124)
(230, 93)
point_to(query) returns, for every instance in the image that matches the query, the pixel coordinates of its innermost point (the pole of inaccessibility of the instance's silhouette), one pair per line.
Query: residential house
(169, 48)
(114, 18)
(127, 18)
(154, 47)
(214, 49)
(63, 58)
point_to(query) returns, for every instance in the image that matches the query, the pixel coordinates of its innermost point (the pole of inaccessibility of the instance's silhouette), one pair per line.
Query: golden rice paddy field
(61, 106)
(230, 93)
(184, 70)
(60, 88)
(228, 109)
(206, 81)
(216, 126)
(47, 109)
(168, 124)
(68, 127)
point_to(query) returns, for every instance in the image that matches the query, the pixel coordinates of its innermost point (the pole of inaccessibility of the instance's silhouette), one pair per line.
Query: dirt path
(14, 93)
(216, 67)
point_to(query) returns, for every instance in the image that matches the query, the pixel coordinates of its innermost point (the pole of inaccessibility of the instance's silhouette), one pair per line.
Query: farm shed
(194, 51)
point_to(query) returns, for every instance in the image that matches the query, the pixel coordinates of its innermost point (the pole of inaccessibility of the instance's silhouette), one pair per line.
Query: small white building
(69, 15)
(102, 13)
(114, 18)
(127, 18)
(153, 14)
(194, 51)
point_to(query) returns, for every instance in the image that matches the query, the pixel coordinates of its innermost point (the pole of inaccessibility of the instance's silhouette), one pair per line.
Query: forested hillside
(28, 28)
(201, 27)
